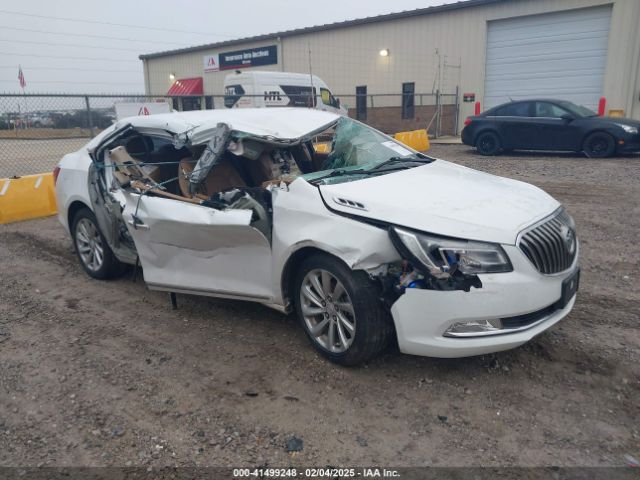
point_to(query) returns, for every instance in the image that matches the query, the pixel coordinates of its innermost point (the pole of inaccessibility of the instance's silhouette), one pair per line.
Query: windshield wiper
(393, 160)
(359, 171)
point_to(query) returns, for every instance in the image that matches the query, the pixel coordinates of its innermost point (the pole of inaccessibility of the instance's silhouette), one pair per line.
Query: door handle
(137, 223)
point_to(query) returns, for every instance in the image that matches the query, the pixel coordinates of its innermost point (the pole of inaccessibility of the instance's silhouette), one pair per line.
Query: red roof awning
(186, 86)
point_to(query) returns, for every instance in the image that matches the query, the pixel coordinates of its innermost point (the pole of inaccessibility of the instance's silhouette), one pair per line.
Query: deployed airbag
(212, 155)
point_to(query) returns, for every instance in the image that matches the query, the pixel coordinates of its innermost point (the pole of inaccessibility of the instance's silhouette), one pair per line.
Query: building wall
(348, 57)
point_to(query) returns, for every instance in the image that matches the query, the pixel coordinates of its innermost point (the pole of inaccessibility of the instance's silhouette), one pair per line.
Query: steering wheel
(139, 147)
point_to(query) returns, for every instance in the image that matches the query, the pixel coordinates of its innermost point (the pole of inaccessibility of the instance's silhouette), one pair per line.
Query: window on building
(361, 103)
(517, 109)
(208, 102)
(191, 103)
(408, 100)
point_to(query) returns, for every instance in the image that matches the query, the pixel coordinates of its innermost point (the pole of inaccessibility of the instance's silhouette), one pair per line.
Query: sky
(90, 46)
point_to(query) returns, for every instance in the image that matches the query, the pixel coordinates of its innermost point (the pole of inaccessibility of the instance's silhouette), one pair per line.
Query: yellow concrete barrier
(322, 147)
(31, 196)
(416, 139)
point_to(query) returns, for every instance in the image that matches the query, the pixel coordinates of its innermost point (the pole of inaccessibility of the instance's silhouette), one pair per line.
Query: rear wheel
(340, 311)
(488, 144)
(94, 253)
(599, 145)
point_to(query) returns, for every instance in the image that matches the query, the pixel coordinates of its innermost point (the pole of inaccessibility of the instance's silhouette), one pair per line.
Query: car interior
(238, 179)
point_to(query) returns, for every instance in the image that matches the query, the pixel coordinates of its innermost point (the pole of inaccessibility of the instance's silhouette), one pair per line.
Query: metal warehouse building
(387, 68)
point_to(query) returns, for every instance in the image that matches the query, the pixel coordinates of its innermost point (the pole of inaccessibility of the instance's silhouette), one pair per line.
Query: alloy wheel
(89, 244)
(327, 311)
(597, 145)
(487, 144)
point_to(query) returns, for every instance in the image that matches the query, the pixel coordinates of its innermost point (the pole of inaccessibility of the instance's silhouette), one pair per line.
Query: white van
(279, 89)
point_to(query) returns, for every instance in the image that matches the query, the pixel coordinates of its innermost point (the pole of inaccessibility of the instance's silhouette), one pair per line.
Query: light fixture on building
(172, 76)
(384, 52)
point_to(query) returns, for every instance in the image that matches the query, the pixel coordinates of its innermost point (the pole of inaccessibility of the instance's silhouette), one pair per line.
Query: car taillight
(467, 121)
(56, 172)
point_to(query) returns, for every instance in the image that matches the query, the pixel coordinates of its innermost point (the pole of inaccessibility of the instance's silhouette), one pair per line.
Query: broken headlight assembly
(442, 257)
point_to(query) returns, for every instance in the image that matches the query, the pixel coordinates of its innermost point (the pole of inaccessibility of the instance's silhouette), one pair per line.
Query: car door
(554, 132)
(186, 247)
(515, 125)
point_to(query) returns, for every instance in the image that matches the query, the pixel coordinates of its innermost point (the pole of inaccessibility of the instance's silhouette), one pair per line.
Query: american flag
(23, 83)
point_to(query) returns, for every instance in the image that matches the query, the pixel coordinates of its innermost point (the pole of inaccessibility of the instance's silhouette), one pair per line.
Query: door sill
(211, 293)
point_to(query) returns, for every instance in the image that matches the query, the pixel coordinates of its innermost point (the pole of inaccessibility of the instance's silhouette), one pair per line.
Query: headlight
(438, 255)
(628, 128)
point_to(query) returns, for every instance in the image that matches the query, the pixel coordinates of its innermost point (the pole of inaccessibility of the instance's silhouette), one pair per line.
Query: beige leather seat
(129, 168)
(222, 177)
(262, 170)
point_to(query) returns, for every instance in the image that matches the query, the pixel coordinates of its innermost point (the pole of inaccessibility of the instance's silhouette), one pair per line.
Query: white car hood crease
(446, 199)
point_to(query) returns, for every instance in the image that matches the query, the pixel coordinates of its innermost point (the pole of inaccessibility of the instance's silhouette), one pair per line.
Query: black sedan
(556, 125)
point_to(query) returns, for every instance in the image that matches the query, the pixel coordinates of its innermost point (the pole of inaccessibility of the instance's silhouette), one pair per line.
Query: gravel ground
(105, 373)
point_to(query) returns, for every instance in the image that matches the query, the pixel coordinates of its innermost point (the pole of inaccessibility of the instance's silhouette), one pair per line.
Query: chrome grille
(552, 245)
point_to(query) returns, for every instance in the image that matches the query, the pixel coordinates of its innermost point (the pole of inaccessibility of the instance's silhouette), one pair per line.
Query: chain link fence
(37, 130)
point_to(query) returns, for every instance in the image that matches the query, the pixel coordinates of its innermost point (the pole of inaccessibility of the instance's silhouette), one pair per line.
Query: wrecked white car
(368, 242)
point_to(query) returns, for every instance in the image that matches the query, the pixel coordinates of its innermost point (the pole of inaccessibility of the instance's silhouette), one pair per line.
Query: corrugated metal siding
(559, 55)
(348, 57)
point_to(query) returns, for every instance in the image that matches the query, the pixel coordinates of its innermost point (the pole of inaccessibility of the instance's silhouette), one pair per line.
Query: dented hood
(446, 199)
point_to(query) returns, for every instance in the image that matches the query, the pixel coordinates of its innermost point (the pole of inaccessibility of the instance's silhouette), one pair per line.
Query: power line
(69, 45)
(108, 37)
(80, 20)
(70, 69)
(69, 58)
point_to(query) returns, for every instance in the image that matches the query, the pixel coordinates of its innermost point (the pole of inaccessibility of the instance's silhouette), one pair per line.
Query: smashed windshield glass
(351, 149)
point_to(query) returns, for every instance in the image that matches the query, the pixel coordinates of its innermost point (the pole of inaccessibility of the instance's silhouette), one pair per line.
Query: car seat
(128, 168)
(222, 176)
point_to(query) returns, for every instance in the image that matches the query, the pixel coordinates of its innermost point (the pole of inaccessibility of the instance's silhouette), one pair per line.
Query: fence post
(438, 113)
(457, 112)
(89, 119)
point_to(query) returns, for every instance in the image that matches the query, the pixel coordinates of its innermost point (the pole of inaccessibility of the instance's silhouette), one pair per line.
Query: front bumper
(628, 143)
(421, 317)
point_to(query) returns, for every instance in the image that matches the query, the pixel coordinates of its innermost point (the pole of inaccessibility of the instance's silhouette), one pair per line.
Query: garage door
(556, 55)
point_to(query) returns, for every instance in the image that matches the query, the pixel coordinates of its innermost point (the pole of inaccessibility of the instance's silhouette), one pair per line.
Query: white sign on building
(211, 63)
(134, 109)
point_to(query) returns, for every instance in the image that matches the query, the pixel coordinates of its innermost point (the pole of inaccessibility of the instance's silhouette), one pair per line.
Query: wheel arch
(596, 130)
(72, 211)
(487, 129)
(291, 266)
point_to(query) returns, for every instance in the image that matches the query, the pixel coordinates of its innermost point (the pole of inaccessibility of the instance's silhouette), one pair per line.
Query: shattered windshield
(351, 150)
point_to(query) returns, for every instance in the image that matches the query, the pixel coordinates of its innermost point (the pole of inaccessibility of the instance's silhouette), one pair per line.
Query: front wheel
(340, 311)
(94, 253)
(488, 144)
(599, 145)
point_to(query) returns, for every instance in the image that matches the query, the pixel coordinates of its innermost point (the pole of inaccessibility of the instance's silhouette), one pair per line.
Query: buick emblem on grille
(569, 237)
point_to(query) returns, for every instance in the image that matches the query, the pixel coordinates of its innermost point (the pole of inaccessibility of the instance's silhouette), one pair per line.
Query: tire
(488, 144)
(92, 249)
(357, 304)
(599, 145)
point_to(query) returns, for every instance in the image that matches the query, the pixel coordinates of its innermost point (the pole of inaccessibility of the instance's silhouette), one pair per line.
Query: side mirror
(567, 117)
(337, 102)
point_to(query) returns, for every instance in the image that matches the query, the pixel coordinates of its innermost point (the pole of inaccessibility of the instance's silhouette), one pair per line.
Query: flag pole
(26, 113)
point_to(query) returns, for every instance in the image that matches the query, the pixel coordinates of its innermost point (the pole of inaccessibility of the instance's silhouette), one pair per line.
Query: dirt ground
(105, 373)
